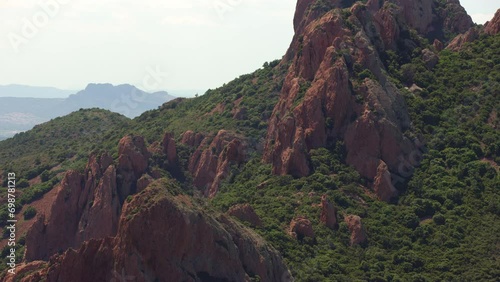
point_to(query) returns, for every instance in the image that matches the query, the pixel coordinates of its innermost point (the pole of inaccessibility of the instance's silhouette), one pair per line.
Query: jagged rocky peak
(337, 88)
(431, 18)
(86, 205)
(200, 246)
(493, 27)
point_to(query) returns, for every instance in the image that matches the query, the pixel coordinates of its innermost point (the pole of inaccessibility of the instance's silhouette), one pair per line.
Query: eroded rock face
(328, 213)
(430, 58)
(458, 42)
(132, 164)
(86, 206)
(24, 269)
(245, 212)
(358, 234)
(169, 148)
(133, 155)
(454, 18)
(301, 227)
(438, 45)
(210, 163)
(323, 100)
(382, 185)
(192, 139)
(200, 247)
(493, 26)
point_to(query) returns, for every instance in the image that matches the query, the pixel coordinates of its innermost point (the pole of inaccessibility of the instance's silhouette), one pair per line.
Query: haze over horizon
(154, 45)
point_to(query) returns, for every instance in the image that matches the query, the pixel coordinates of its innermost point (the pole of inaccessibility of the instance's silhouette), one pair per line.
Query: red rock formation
(155, 148)
(210, 163)
(144, 182)
(301, 227)
(200, 247)
(132, 164)
(454, 17)
(133, 155)
(417, 14)
(438, 45)
(238, 112)
(323, 100)
(382, 184)
(358, 234)
(169, 148)
(23, 270)
(245, 212)
(192, 139)
(458, 42)
(86, 205)
(493, 27)
(430, 58)
(390, 18)
(328, 213)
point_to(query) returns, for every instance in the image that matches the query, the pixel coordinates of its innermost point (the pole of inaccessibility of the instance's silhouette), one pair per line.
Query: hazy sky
(169, 44)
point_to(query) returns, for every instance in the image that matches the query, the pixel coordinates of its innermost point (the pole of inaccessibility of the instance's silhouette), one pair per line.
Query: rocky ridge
(200, 247)
(337, 88)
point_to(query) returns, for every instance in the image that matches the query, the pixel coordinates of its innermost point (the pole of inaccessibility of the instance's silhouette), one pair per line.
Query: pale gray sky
(185, 44)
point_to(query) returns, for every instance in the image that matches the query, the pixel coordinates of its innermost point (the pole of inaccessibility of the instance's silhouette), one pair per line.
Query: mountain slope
(20, 114)
(368, 153)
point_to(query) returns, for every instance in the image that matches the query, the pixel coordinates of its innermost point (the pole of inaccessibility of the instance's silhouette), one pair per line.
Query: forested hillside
(370, 152)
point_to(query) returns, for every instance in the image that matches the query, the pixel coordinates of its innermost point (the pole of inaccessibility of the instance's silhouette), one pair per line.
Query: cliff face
(337, 89)
(165, 236)
(88, 205)
(493, 26)
(210, 162)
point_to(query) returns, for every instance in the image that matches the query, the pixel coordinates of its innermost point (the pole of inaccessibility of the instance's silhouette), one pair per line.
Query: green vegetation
(65, 141)
(446, 223)
(257, 93)
(445, 226)
(29, 213)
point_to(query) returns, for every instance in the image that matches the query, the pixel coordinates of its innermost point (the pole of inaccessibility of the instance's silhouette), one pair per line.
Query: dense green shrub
(29, 213)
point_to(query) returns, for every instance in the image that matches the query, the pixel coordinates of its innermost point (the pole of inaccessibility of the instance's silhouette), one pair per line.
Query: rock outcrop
(452, 18)
(324, 100)
(382, 184)
(245, 212)
(458, 42)
(132, 164)
(328, 213)
(87, 206)
(493, 26)
(210, 162)
(192, 139)
(169, 148)
(301, 227)
(199, 247)
(358, 234)
(430, 58)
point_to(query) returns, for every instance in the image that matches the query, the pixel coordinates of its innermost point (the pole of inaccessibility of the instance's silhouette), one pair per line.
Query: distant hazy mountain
(19, 114)
(124, 99)
(14, 90)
